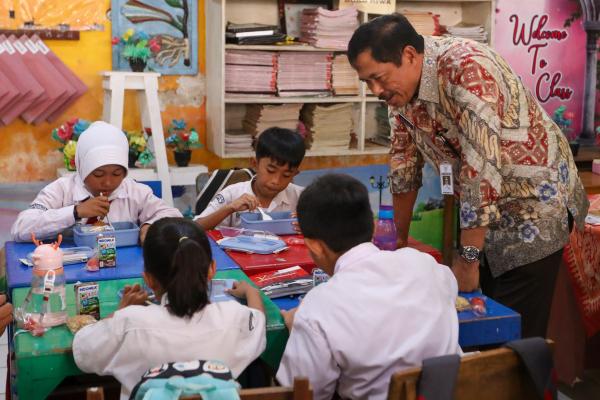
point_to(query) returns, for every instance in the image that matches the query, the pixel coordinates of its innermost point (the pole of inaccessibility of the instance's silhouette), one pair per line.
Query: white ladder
(145, 84)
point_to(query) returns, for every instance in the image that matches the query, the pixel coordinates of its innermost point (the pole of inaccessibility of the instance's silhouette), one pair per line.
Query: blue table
(500, 325)
(130, 264)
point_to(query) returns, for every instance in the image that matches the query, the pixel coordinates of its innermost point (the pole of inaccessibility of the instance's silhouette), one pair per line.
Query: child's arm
(243, 289)
(209, 219)
(46, 216)
(151, 208)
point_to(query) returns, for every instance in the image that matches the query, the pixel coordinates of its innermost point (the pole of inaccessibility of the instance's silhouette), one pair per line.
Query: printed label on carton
(107, 250)
(87, 299)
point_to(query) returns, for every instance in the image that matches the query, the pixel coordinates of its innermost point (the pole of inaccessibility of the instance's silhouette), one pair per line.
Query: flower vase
(182, 158)
(137, 64)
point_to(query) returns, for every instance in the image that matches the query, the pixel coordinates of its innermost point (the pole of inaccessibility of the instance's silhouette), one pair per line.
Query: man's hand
(143, 232)
(133, 295)
(244, 202)
(288, 317)
(6, 313)
(93, 207)
(467, 274)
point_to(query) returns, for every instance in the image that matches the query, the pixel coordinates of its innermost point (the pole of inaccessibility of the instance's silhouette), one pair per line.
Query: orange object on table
(582, 256)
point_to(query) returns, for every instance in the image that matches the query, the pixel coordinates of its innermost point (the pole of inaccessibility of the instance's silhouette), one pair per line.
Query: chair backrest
(494, 375)
(209, 184)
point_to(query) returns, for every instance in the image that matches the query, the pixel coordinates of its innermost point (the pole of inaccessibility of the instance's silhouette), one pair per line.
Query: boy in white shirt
(279, 153)
(100, 188)
(381, 311)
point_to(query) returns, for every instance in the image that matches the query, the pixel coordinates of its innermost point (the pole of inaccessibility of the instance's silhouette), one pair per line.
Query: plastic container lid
(386, 212)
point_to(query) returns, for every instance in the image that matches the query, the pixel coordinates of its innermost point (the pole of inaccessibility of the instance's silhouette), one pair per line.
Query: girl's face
(105, 179)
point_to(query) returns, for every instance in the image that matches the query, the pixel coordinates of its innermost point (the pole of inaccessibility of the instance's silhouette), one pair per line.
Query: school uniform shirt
(138, 338)
(286, 200)
(381, 312)
(52, 210)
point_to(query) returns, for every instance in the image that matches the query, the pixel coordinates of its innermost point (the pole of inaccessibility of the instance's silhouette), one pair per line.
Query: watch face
(470, 253)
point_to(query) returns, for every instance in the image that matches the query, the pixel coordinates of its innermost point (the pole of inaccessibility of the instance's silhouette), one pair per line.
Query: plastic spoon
(265, 216)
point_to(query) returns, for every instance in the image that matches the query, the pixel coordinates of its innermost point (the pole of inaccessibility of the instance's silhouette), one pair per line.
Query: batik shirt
(513, 169)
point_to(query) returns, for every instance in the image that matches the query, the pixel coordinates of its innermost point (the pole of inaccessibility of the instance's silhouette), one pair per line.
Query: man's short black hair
(335, 208)
(282, 145)
(386, 36)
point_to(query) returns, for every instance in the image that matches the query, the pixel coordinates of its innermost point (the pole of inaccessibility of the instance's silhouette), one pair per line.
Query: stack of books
(260, 117)
(344, 78)
(253, 34)
(304, 74)
(284, 282)
(328, 29)
(382, 136)
(328, 125)
(425, 23)
(473, 32)
(250, 72)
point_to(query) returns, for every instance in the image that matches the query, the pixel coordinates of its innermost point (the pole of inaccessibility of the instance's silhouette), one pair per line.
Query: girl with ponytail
(178, 267)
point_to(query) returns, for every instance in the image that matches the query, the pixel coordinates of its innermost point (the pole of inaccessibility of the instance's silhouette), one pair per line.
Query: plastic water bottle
(385, 236)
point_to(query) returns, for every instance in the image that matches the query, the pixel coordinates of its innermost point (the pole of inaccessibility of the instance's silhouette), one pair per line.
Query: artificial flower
(69, 150)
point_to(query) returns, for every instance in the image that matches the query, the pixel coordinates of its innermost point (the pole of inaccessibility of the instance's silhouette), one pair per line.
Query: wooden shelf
(284, 100)
(283, 47)
(369, 150)
(180, 176)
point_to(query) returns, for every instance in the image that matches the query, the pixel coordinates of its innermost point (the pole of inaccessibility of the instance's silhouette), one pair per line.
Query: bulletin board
(79, 15)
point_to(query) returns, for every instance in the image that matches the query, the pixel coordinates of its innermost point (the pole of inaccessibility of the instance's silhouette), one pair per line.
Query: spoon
(265, 216)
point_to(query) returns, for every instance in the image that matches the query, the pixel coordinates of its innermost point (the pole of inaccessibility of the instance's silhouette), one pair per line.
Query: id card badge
(446, 178)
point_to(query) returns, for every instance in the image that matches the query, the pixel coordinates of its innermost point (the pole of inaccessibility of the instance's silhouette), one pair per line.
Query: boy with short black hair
(279, 153)
(381, 311)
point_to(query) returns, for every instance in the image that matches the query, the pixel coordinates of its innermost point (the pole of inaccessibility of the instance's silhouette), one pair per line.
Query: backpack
(209, 184)
(210, 379)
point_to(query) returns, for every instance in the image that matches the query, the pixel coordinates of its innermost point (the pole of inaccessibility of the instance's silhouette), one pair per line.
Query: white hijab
(100, 144)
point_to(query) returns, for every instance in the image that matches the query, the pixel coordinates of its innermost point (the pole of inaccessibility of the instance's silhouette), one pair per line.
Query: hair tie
(181, 239)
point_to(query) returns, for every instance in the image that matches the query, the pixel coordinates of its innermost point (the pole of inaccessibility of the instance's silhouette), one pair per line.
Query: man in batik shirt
(456, 102)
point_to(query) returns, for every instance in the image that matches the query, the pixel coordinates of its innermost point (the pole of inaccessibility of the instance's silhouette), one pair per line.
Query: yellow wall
(27, 152)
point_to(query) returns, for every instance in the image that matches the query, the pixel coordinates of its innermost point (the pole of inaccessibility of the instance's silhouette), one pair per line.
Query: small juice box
(107, 250)
(87, 301)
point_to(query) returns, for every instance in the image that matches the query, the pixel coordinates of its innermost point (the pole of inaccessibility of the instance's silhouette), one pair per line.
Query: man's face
(396, 85)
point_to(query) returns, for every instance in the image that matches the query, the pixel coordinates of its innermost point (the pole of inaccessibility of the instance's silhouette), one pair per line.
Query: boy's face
(271, 177)
(105, 179)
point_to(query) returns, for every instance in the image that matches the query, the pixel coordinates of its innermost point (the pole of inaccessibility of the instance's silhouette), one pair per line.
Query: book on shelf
(249, 28)
(257, 40)
(248, 34)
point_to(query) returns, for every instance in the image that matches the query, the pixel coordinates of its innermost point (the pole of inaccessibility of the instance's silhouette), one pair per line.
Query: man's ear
(409, 54)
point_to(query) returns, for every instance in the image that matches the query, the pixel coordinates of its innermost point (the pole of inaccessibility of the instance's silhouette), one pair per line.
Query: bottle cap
(386, 212)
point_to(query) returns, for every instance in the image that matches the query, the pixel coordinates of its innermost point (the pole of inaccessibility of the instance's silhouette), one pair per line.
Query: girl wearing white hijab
(99, 188)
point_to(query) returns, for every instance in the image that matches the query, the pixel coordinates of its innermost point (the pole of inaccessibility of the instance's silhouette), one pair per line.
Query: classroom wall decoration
(81, 15)
(171, 25)
(549, 56)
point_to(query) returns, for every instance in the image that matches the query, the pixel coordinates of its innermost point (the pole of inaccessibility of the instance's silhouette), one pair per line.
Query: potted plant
(67, 135)
(564, 120)
(182, 141)
(139, 153)
(138, 47)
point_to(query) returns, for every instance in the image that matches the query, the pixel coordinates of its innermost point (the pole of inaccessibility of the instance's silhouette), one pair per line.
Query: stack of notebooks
(250, 72)
(236, 139)
(344, 77)
(425, 23)
(304, 74)
(284, 282)
(382, 136)
(260, 117)
(253, 34)
(473, 32)
(328, 29)
(328, 126)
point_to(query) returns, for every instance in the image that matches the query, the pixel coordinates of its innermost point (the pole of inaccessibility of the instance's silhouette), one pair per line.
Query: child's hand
(241, 289)
(244, 202)
(143, 232)
(93, 207)
(288, 317)
(295, 224)
(133, 295)
(6, 313)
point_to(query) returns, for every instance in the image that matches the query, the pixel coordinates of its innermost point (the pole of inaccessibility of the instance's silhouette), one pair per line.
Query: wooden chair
(492, 375)
(300, 391)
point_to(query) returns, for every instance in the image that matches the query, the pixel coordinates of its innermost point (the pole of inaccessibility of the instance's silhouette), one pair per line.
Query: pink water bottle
(385, 236)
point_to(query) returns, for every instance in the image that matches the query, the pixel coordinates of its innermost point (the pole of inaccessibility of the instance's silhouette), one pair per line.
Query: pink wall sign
(549, 57)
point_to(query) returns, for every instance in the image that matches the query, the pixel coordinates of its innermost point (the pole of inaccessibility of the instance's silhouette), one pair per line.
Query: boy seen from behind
(279, 153)
(381, 311)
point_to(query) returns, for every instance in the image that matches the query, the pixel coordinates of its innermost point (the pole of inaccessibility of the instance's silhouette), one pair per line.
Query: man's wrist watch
(470, 253)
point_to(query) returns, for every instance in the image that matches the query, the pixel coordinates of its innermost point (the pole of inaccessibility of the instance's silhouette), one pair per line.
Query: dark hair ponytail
(177, 253)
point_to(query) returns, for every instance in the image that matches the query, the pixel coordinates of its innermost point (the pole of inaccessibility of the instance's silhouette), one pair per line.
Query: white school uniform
(138, 338)
(52, 210)
(286, 200)
(381, 312)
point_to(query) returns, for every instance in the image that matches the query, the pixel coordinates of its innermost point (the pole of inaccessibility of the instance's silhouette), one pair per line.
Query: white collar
(354, 255)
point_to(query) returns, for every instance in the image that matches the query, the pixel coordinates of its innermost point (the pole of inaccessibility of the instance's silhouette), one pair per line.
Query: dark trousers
(527, 289)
